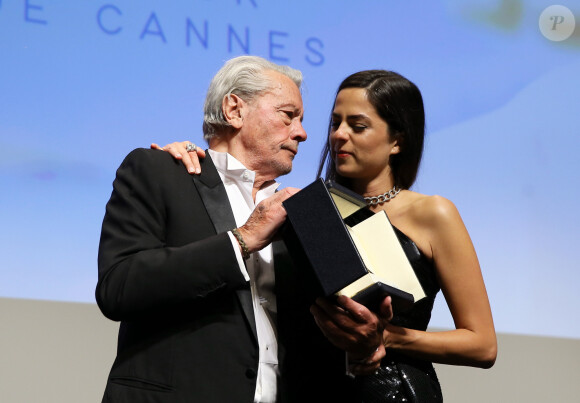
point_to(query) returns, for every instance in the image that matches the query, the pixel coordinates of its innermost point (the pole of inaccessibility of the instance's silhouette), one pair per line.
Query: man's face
(272, 128)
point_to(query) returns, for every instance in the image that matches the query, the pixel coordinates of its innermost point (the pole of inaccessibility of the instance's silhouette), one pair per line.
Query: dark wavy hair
(399, 103)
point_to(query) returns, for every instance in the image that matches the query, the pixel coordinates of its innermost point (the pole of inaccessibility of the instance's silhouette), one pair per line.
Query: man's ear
(232, 106)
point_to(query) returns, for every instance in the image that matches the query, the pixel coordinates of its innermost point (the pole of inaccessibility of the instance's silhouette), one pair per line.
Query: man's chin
(282, 169)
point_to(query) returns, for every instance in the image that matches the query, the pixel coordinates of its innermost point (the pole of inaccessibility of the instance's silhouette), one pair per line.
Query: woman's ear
(395, 149)
(232, 106)
(396, 145)
(395, 141)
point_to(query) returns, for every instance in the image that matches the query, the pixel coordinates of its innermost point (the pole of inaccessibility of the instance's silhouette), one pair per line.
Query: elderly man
(187, 264)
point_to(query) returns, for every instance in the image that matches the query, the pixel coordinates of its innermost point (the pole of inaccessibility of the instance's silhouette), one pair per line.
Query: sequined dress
(401, 378)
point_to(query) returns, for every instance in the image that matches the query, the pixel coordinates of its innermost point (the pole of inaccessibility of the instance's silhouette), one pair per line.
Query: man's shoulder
(160, 165)
(145, 158)
(147, 154)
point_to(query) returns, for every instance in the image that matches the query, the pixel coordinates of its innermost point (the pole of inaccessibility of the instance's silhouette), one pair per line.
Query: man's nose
(299, 134)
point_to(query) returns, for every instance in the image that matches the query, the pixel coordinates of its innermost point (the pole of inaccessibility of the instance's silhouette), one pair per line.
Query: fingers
(341, 326)
(369, 365)
(329, 328)
(331, 314)
(363, 369)
(358, 312)
(354, 328)
(348, 325)
(283, 194)
(292, 190)
(264, 222)
(386, 310)
(345, 316)
(346, 313)
(200, 152)
(178, 150)
(191, 161)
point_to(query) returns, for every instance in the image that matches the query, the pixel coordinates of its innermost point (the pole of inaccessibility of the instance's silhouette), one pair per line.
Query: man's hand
(265, 220)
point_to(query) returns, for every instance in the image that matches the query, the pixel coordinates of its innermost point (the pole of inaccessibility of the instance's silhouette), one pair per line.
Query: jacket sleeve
(139, 271)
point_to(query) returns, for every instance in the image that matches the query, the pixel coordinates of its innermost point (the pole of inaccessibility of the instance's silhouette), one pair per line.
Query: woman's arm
(473, 342)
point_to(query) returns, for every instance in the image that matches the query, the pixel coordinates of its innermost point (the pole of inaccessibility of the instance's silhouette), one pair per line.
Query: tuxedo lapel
(216, 202)
(214, 196)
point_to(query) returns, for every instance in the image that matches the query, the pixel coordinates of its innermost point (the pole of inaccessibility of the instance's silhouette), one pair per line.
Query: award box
(340, 247)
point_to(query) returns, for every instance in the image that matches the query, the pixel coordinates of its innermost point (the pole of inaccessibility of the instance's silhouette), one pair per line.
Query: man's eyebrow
(289, 105)
(295, 109)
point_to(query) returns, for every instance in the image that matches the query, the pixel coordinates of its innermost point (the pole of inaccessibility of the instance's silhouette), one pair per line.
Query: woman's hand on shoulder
(178, 150)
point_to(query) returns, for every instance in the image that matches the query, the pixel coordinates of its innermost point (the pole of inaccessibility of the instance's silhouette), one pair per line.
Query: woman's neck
(372, 187)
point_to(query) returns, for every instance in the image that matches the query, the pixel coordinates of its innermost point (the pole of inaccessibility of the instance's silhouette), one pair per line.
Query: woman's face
(360, 144)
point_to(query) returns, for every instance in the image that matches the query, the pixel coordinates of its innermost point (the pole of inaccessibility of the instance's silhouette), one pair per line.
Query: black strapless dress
(402, 378)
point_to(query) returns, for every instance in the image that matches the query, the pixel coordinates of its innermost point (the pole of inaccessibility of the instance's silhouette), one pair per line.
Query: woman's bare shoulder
(431, 209)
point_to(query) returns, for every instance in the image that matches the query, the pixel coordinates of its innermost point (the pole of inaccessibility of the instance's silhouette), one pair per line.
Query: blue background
(84, 82)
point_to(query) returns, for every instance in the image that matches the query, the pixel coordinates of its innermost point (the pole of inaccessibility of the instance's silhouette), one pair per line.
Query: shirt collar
(226, 163)
(234, 170)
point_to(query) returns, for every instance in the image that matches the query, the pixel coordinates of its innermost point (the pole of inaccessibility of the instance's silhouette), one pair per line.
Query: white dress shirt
(239, 182)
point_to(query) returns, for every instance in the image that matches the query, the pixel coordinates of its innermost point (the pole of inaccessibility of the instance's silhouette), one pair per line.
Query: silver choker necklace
(385, 197)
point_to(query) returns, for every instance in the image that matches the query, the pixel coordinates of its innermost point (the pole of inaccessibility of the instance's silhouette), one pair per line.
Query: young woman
(375, 143)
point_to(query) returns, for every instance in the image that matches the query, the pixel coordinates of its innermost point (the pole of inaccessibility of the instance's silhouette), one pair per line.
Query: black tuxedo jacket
(168, 272)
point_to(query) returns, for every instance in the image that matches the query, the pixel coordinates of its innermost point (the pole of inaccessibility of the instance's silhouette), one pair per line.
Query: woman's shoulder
(431, 209)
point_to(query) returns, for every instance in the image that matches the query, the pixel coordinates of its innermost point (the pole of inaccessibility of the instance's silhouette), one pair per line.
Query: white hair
(243, 76)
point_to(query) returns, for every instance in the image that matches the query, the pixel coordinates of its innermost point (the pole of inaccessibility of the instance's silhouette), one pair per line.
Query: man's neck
(220, 144)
